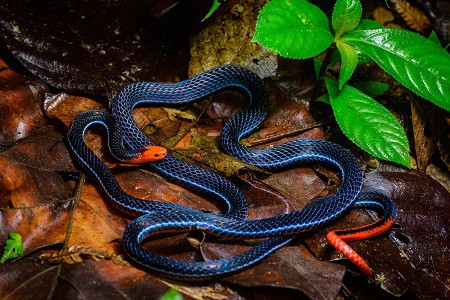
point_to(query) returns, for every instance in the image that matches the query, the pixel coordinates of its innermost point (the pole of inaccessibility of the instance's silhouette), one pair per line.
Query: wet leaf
(290, 268)
(13, 247)
(416, 62)
(97, 47)
(103, 279)
(20, 106)
(214, 7)
(368, 124)
(348, 62)
(34, 200)
(293, 29)
(423, 215)
(346, 16)
(173, 294)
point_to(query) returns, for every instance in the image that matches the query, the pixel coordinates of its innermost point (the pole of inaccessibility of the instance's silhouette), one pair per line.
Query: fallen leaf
(413, 16)
(35, 201)
(413, 256)
(96, 48)
(227, 41)
(423, 142)
(89, 279)
(289, 268)
(20, 106)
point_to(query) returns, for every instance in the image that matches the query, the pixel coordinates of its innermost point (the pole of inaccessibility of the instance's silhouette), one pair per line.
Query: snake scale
(157, 217)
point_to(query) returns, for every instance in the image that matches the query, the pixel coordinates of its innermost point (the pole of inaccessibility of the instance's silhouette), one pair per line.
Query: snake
(128, 143)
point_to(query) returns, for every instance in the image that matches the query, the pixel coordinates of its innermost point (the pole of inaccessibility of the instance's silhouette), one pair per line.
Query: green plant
(172, 294)
(213, 8)
(13, 247)
(299, 29)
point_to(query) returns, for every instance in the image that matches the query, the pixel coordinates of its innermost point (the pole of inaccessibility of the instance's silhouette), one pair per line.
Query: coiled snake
(157, 217)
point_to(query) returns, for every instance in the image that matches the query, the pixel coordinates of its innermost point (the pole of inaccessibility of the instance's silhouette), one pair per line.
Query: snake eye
(156, 155)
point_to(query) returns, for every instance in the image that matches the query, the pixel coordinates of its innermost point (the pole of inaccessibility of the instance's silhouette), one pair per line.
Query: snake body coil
(160, 216)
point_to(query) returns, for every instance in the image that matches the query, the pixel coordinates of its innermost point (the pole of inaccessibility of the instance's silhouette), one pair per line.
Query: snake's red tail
(339, 238)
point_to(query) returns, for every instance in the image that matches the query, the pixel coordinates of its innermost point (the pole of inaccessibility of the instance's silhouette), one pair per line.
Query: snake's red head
(149, 154)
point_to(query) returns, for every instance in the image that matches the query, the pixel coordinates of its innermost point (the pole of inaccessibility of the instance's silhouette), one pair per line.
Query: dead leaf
(96, 48)
(35, 201)
(290, 268)
(413, 16)
(382, 15)
(20, 106)
(89, 279)
(419, 258)
(227, 41)
(423, 142)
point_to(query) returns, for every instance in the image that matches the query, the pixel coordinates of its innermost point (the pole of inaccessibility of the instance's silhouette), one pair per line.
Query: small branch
(77, 198)
(291, 133)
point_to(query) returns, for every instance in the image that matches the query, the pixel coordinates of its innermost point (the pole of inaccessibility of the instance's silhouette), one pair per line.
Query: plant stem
(323, 69)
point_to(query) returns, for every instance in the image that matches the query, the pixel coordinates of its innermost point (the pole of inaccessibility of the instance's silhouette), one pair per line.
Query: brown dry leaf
(35, 201)
(423, 142)
(20, 105)
(74, 254)
(382, 15)
(89, 279)
(413, 16)
(385, 17)
(290, 268)
(227, 41)
(440, 132)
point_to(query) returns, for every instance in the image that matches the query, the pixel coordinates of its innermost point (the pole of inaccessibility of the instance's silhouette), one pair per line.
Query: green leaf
(325, 98)
(213, 8)
(293, 28)
(317, 66)
(366, 24)
(349, 62)
(433, 37)
(371, 88)
(172, 294)
(368, 123)
(13, 247)
(346, 16)
(416, 62)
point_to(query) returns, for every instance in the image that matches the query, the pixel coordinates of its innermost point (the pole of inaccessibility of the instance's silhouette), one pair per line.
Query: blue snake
(157, 217)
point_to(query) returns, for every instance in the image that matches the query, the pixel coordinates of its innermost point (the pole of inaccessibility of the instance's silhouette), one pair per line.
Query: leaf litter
(75, 220)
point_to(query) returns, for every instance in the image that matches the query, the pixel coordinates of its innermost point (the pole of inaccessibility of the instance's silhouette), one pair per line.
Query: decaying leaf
(423, 142)
(413, 16)
(290, 268)
(420, 265)
(74, 254)
(227, 41)
(35, 201)
(384, 17)
(66, 47)
(20, 106)
(89, 279)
